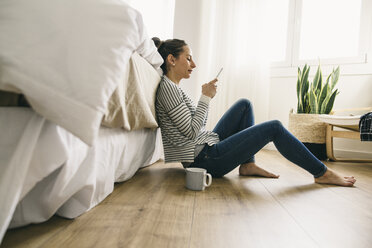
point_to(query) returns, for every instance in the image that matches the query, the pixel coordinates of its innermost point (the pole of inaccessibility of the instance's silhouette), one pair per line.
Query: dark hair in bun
(157, 42)
(172, 46)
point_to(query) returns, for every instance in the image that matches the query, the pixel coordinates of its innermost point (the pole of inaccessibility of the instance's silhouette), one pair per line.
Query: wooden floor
(154, 209)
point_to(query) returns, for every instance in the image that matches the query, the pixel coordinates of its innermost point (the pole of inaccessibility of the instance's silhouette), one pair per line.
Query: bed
(89, 73)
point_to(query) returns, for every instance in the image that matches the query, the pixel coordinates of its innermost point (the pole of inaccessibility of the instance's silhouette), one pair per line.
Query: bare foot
(331, 177)
(251, 169)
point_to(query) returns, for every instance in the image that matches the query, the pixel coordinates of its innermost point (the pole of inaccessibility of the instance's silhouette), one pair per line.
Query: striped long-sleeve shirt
(182, 124)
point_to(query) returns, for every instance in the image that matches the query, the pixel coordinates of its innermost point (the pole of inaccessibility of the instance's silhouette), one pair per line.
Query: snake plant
(316, 98)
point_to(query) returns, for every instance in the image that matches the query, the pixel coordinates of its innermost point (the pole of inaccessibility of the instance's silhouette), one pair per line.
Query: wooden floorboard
(154, 209)
(240, 212)
(332, 216)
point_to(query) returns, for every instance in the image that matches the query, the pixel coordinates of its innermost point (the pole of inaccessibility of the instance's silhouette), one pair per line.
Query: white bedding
(47, 170)
(68, 56)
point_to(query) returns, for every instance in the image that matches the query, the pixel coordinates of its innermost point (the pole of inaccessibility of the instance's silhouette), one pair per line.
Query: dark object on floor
(319, 150)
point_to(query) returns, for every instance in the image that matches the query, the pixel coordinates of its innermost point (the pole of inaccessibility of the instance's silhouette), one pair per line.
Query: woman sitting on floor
(235, 139)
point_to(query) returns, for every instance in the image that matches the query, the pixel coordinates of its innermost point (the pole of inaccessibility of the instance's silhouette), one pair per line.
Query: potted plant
(313, 99)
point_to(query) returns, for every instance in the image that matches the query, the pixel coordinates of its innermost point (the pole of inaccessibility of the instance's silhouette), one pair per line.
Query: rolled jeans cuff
(322, 172)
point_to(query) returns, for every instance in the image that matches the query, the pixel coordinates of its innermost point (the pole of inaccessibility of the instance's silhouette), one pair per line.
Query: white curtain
(234, 35)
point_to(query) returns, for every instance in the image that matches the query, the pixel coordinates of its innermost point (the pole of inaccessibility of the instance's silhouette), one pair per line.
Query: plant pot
(311, 131)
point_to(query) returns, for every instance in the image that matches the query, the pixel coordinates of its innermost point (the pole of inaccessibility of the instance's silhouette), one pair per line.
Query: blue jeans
(240, 140)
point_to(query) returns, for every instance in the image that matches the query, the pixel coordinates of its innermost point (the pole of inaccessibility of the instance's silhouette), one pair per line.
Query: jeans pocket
(211, 153)
(204, 155)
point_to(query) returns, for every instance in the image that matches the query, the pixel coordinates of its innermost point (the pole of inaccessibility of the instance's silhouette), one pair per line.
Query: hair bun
(157, 42)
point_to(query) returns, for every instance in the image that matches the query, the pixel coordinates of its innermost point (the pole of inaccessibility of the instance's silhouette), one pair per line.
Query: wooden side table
(347, 132)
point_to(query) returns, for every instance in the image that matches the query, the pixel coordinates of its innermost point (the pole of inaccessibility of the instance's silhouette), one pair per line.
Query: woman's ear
(171, 59)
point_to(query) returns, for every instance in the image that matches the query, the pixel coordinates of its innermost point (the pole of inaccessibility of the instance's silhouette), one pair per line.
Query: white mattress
(46, 170)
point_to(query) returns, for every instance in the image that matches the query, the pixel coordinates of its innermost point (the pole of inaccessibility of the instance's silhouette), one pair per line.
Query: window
(332, 31)
(157, 15)
(327, 31)
(279, 12)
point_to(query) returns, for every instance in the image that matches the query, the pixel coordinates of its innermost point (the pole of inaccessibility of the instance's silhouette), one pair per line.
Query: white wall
(187, 27)
(355, 83)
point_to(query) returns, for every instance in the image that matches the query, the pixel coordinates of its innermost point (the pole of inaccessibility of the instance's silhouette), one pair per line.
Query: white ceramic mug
(196, 178)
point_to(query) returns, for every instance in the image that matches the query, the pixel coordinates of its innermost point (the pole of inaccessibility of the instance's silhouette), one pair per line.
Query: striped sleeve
(172, 101)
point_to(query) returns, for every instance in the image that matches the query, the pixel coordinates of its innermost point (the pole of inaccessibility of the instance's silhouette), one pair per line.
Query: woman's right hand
(210, 89)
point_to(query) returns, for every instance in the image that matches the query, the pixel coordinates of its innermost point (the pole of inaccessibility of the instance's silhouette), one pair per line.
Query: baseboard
(338, 152)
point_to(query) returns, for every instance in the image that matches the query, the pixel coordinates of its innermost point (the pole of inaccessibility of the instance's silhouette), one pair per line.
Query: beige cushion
(132, 105)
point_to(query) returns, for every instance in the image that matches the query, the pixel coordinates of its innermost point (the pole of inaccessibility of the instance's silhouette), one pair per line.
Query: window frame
(360, 64)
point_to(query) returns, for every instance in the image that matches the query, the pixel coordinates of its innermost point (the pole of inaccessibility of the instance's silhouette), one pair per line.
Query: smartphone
(219, 72)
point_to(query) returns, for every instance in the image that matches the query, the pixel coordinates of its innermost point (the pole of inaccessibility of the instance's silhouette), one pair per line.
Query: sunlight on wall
(157, 15)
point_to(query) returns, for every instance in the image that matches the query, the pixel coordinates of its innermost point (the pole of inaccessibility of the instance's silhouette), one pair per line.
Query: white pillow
(67, 56)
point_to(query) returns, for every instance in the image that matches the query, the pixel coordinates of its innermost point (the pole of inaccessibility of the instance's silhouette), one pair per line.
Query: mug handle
(209, 177)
